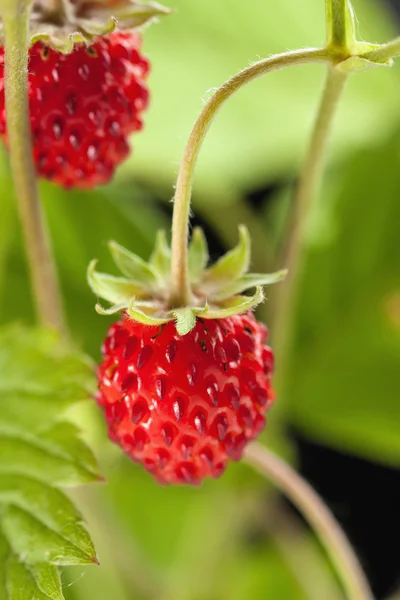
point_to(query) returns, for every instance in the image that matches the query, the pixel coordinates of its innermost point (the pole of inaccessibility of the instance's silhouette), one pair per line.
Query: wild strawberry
(184, 390)
(83, 107)
(184, 405)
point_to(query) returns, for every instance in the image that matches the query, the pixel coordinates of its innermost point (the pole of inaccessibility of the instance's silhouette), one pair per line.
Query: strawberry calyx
(60, 24)
(217, 291)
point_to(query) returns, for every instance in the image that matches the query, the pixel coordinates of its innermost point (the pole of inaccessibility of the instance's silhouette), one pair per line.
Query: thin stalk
(180, 288)
(303, 496)
(384, 52)
(287, 296)
(43, 278)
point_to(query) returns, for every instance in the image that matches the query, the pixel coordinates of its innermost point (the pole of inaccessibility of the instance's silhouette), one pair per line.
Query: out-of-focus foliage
(184, 544)
(344, 386)
(40, 452)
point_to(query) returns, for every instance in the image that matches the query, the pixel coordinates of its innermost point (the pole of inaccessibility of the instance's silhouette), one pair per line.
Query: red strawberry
(184, 388)
(184, 405)
(83, 106)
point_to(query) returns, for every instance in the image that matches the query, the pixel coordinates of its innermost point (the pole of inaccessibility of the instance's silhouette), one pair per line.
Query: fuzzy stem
(180, 288)
(43, 278)
(384, 52)
(318, 515)
(287, 295)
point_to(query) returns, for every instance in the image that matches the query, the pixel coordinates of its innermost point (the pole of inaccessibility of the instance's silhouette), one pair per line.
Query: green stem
(384, 52)
(339, 20)
(318, 515)
(43, 278)
(180, 288)
(287, 296)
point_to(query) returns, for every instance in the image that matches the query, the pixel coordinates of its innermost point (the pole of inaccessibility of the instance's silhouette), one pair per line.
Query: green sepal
(64, 39)
(116, 290)
(86, 20)
(216, 292)
(112, 310)
(235, 305)
(229, 267)
(132, 266)
(185, 318)
(160, 260)
(248, 281)
(137, 314)
(197, 255)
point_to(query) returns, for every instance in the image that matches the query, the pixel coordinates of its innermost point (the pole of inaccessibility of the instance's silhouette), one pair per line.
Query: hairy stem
(286, 300)
(318, 515)
(384, 52)
(180, 289)
(43, 278)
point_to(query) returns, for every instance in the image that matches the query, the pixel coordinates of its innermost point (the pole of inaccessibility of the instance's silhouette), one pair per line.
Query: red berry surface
(184, 405)
(83, 106)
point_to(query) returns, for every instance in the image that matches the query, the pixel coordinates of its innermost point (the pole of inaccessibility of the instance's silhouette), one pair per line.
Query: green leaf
(229, 267)
(248, 281)
(133, 267)
(38, 582)
(160, 259)
(198, 254)
(116, 290)
(48, 459)
(40, 451)
(342, 388)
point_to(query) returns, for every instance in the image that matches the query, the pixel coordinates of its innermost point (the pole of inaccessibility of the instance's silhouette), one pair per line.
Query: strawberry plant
(186, 377)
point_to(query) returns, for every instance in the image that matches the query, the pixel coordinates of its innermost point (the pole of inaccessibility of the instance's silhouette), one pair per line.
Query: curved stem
(180, 289)
(287, 295)
(44, 282)
(318, 515)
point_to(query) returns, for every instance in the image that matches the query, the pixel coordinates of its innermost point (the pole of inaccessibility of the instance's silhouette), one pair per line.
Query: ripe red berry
(83, 106)
(184, 405)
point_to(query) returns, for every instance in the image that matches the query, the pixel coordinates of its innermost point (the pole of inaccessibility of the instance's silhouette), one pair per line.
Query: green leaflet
(39, 526)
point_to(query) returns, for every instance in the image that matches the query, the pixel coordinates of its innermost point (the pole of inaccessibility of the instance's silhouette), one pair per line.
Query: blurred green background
(234, 539)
